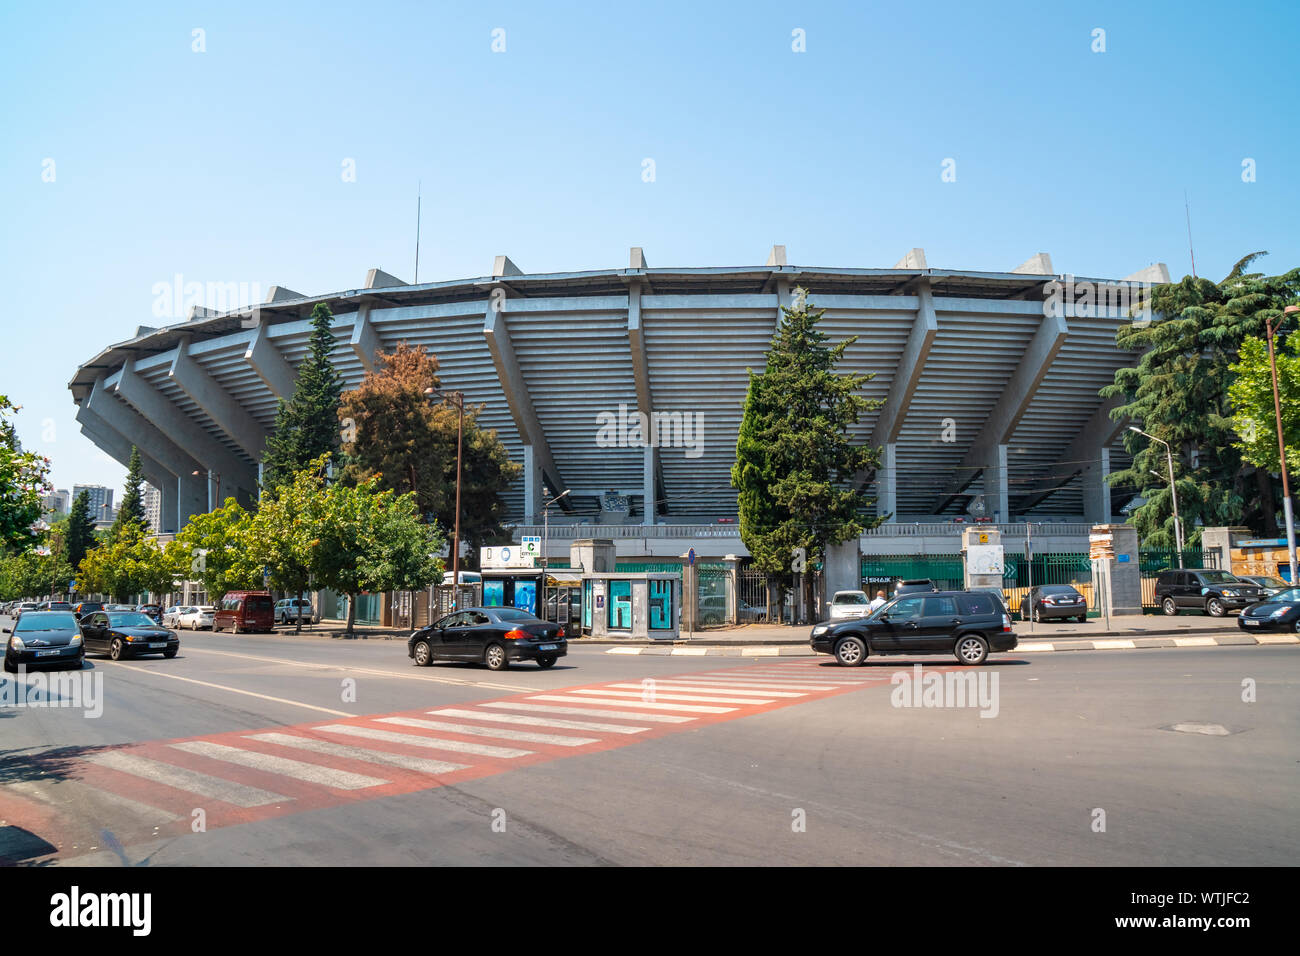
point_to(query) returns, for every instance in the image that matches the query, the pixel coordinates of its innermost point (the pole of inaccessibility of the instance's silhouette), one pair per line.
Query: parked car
(122, 634)
(244, 611)
(1268, 585)
(170, 616)
(44, 639)
(86, 607)
(847, 604)
(1204, 589)
(154, 611)
(119, 607)
(918, 586)
(1276, 612)
(195, 617)
(23, 608)
(291, 610)
(54, 606)
(496, 636)
(966, 624)
(1054, 602)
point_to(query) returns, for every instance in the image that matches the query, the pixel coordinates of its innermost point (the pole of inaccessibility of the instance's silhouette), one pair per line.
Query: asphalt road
(298, 751)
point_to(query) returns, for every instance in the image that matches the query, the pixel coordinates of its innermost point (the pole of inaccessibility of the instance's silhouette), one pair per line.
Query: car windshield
(1058, 589)
(1290, 594)
(46, 621)
(1221, 577)
(207, 610)
(130, 619)
(513, 614)
(851, 597)
(1270, 582)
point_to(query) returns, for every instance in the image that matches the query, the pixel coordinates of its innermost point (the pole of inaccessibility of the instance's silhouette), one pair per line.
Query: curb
(1028, 647)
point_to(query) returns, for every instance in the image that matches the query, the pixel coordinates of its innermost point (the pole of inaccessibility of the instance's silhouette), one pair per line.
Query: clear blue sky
(225, 166)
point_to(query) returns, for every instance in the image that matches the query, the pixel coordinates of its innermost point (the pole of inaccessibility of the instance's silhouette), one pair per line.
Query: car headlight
(76, 641)
(1229, 593)
(17, 644)
(821, 629)
(1280, 612)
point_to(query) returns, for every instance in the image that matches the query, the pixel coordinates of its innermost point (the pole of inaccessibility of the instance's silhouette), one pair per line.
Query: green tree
(37, 572)
(1178, 392)
(129, 563)
(216, 549)
(307, 425)
(131, 511)
(395, 435)
(283, 536)
(79, 531)
(1254, 412)
(797, 469)
(23, 482)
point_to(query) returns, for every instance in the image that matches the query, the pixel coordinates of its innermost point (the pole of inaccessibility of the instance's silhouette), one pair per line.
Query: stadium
(989, 382)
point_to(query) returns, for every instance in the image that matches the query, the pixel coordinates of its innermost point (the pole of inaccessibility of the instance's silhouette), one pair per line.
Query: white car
(850, 604)
(285, 611)
(194, 617)
(171, 616)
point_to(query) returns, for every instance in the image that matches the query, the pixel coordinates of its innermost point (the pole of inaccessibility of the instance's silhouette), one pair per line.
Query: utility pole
(546, 540)
(1173, 490)
(457, 399)
(1281, 442)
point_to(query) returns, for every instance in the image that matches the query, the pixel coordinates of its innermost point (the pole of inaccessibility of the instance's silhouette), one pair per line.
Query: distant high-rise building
(57, 502)
(152, 508)
(100, 496)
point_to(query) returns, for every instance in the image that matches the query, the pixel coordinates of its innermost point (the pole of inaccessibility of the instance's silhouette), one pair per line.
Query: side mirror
(6, 631)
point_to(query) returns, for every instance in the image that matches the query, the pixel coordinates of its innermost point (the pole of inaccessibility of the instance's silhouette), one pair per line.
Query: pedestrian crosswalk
(155, 788)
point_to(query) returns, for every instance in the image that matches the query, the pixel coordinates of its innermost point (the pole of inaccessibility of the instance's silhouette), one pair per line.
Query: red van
(244, 611)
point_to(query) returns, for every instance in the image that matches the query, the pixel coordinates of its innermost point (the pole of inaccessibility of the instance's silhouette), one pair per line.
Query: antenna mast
(417, 233)
(1188, 208)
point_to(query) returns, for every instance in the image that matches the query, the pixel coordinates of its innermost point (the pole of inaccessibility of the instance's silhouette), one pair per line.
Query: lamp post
(211, 503)
(546, 540)
(1281, 443)
(457, 399)
(1173, 491)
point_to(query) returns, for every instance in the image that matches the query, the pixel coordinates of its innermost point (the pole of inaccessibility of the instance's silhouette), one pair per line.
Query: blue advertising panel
(661, 605)
(526, 596)
(494, 593)
(620, 605)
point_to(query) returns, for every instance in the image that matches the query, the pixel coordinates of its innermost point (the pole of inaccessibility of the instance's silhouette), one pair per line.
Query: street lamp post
(211, 502)
(457, 399)
(1173, 491)
(546, 540)
(1281, 442)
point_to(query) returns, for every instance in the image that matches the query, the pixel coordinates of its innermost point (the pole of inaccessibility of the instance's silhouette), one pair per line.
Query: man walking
(877, 603)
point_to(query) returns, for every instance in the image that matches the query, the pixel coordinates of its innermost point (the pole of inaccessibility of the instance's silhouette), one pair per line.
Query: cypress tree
(307, 426)
(79, 535)
(132, 507)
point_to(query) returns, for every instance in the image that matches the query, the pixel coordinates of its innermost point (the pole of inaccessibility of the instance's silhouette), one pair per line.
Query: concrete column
(1118, 580)
(887, 482)
(1221, 540)
(192, 497)
(651, 507)
(996, 497)
(533, 481)
(1096, 490)
(168, 507)
(842, 570)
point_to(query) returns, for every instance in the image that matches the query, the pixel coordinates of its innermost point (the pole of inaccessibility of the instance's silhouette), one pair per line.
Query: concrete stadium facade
(989, 382)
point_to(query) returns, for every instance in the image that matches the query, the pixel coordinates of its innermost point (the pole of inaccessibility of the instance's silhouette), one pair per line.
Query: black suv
(966, 624)
(1214, 592)
(920, 586)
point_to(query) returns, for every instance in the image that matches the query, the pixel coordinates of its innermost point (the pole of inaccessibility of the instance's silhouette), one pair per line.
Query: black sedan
(1054, 602)
(1281, 612)
(496, 636)
(122, 634)
(44, 639)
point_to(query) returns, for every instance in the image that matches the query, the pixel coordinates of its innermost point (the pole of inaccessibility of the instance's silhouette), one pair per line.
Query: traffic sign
(690, 557)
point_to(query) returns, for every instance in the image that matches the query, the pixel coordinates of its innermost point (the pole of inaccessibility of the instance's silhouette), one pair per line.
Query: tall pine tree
(79, 534)
(131, 511)
(796, 467)
(307, 426)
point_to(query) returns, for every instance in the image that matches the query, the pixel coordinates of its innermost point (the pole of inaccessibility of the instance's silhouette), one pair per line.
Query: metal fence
(1021, 575)
(1152, 561)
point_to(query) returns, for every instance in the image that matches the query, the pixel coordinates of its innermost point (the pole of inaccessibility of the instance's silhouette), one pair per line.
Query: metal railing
(1011, 532)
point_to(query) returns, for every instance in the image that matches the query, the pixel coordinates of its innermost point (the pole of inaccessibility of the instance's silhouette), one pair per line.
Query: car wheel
(1083, 619)
(851, 652)
(1038, 616)
(971, 649)
(1214, 607)
(423, 654)
(1169, 606)
(115, 649)
(234, 628)
(547, 660)
(170, 653)
(495, 657)
(1297, 625)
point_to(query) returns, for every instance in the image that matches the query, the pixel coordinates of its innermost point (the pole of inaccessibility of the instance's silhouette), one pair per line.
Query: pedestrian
(877, 603)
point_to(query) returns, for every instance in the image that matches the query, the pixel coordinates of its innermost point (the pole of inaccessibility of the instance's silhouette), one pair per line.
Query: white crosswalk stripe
(756, 684)
(283, 766)
(539, 721)
(590, 712)
(62, 792)
(524, 736)
(575, 698)
(182, 778)
(419, 740)
(329, 748)
(660, 693)
(710, 687)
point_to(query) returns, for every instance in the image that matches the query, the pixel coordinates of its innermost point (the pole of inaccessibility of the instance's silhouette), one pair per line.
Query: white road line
(118, 665)
(1195, 642)
(690, 651)
(328, 747)
(1109, 645)
(523, 736)
(418, 740)
(182, 778)
(83, 793)
(624, 650)
(760, 685)
(660, 695)
(312, 665)
(685, 708)
(1277, 638)
(281, 766)
(711, 688)
(590, 712)
(760, 652)
(538, 721)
